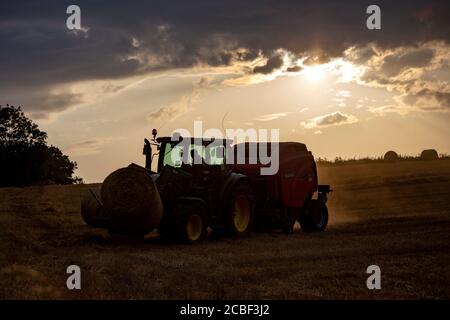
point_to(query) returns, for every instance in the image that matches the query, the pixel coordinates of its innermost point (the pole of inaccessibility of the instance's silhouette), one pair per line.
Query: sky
(311, 69)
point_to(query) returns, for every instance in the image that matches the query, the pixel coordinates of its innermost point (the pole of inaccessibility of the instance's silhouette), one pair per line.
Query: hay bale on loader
(91, 209)
(132, 201)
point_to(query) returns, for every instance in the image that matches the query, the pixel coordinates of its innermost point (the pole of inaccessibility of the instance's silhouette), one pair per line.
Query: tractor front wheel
(193, 226)
(314, 217)
(190, 224)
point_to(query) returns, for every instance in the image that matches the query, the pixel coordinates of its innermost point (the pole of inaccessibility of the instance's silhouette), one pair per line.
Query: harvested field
(394, 215)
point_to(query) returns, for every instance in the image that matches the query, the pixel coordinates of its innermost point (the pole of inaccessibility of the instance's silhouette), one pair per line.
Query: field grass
(395, 215)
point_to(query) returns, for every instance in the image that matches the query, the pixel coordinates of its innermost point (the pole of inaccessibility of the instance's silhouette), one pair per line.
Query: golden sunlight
(314, 73)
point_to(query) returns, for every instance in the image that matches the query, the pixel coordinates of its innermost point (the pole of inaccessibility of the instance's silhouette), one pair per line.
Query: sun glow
(315, 73)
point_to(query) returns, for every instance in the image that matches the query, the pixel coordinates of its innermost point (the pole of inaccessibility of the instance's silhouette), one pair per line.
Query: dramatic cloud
(394, 64)
(294, 69)
(272, 64)
(40, 102)
(119, 40)
(332, 119)
(414, 73)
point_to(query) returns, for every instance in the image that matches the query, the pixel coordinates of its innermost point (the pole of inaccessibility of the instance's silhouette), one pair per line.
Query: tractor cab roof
(285, 149)
(204, 141)
(298, 146)
(283, 146)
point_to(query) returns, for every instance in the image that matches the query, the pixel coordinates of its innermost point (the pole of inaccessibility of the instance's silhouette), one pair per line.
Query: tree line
(25, 157)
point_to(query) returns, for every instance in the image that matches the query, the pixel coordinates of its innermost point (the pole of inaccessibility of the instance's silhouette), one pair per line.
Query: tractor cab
(191, 153)
(187, 153)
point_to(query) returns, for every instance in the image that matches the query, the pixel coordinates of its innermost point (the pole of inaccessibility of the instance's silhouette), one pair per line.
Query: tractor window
(200, 150)
(173, 155)
(217, 155)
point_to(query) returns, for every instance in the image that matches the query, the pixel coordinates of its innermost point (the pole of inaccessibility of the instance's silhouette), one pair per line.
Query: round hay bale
(91, 210)
(132, 201)
(429, 154)
(391, 156)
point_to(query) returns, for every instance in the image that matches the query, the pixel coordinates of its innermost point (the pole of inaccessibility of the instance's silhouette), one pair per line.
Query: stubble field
(394, 215)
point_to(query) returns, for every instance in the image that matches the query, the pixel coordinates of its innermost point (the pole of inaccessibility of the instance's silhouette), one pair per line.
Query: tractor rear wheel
(314, 217)
(239, 215)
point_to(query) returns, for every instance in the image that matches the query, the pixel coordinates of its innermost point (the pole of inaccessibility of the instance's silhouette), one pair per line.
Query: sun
(314, 73)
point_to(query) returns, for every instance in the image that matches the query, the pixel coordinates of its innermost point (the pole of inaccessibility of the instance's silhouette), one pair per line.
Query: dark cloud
(317, 57)
(361, 54)
(272, 64)
(49, 103)
(429, 99)
(443, 98)
(122, 39)
(394, 64)
(418, 75)
(294, 69)
(39, 102)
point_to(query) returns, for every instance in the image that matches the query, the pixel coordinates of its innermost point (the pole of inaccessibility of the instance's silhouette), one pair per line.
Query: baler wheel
(240, 211)
(314, 217)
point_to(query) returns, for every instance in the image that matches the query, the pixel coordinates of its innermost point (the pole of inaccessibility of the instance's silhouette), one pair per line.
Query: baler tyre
(292, 216)
(240, 212)
(314, 217)
(192, 226)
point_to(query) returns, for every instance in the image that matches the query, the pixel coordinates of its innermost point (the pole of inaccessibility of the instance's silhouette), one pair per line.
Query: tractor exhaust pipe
(148, 154)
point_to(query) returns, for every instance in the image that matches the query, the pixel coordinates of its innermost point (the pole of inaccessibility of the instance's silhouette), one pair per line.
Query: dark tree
(25, 158)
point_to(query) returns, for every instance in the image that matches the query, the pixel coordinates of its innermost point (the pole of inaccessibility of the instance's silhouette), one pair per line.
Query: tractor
(193, 188)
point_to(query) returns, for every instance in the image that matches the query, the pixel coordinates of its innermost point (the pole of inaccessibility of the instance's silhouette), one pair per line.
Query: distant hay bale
(132, 201)
(429, 154)
(391, 156)
(91, 210)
